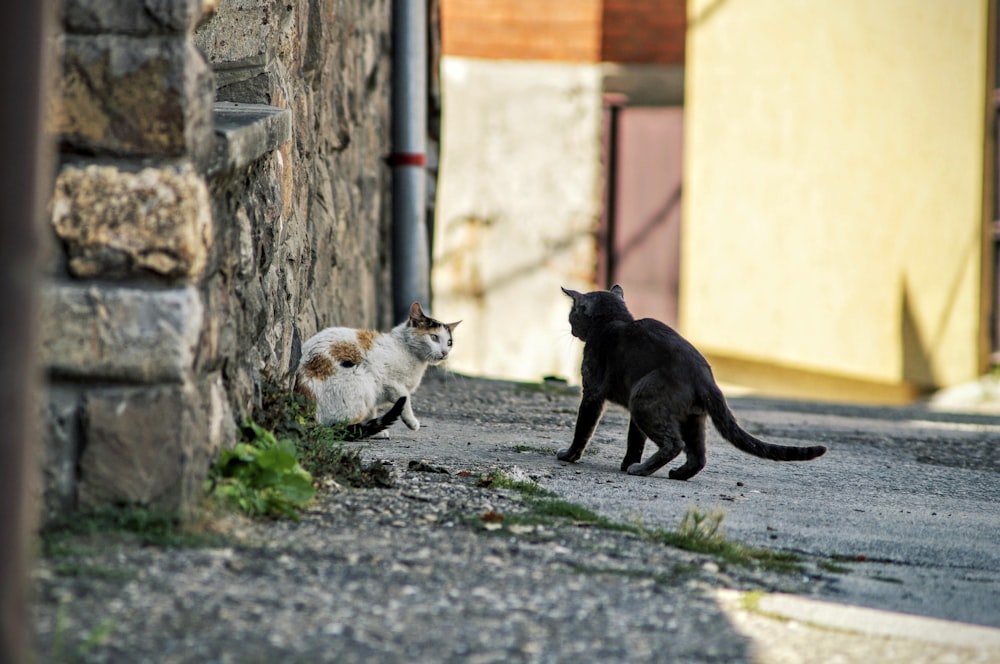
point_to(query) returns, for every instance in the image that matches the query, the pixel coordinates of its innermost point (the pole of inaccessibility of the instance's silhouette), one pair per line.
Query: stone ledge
(246, 132)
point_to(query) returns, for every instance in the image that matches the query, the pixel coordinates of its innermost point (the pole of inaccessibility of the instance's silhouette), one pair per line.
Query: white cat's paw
(381, 435)
(413, 423)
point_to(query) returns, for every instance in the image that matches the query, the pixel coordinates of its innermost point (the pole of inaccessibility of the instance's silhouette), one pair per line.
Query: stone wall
(221, 195)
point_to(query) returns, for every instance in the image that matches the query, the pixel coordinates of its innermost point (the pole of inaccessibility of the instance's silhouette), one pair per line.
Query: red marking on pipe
(406, 159)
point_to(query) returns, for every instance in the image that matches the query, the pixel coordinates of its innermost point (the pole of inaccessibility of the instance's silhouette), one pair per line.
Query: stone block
(120, 224)
(120, 334)
(135, 96)
(241, 30)
(60, 447)
(152, 447)
(145, 17)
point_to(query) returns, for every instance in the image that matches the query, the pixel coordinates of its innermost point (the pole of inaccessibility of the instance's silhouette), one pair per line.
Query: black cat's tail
(726, 423)
(376, 424)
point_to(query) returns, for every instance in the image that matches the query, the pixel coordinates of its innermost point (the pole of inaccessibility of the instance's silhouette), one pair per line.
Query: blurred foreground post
(23, 178)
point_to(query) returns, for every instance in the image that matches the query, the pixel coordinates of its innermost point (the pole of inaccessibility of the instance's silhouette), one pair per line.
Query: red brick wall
(625, 31)
(643, 31)
(566, 30)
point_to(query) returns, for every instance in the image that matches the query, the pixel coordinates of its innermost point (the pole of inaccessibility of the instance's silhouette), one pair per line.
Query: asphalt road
(907, 500)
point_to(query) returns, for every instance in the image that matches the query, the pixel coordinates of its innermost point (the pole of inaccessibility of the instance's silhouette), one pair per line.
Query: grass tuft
(699, 532)
(526, 487)
(150, 528)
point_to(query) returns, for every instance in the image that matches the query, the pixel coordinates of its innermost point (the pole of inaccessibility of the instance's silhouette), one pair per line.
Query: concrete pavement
(905, 509)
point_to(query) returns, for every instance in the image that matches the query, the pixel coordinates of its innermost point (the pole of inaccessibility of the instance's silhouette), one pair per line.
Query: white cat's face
(433, 338)
(437, 343)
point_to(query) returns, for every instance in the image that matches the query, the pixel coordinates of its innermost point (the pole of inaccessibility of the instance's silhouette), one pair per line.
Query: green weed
(702, 526)
(262, 476)
(320, 448)
(283, 450)
(562, 509)
(69, 538)
(833, 568)
(527, 488)
(533, 449)
(699, 532)
(886, 579)
(86, 571)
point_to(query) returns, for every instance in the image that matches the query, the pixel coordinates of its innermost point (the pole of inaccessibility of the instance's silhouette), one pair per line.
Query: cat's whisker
(567, 339)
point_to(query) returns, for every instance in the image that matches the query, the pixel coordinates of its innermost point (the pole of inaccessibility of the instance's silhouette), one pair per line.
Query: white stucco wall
(518, 203)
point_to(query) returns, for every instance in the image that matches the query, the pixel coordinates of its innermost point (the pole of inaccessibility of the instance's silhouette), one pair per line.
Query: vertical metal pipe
(410, 253)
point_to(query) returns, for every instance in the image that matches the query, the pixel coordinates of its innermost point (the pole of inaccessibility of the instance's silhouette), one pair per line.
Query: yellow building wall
(833, 188)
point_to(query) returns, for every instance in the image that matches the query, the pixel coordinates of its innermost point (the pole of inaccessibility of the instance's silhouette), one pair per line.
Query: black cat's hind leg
(635, 444)
(693, 433)
(667, 437)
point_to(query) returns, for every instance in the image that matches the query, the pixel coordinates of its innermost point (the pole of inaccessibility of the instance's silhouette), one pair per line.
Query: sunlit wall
(832, 211)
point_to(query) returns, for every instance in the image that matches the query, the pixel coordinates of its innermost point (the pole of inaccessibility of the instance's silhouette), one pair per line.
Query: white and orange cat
(350, 373)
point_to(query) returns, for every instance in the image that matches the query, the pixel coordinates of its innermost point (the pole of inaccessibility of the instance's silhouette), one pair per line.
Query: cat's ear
(572, 293)
(416, 313)
(617, 290)
(452, 326)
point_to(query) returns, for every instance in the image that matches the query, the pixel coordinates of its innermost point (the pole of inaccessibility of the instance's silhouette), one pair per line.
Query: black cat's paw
(635, 469)
(567, 455)
(681, 473)
(627, 463)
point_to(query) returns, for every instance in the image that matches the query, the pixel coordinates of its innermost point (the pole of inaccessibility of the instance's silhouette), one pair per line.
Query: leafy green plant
(262, 476)
(320, 448)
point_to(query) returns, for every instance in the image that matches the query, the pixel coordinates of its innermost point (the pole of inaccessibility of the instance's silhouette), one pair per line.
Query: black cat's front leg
(634, 446)
(586, 421)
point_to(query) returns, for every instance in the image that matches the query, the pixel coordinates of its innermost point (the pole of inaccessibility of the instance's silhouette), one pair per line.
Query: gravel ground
(408, 573)
(415, 572)
(393, 575)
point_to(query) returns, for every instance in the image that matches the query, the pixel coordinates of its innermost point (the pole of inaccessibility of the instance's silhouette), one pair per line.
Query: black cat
(663, 381)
